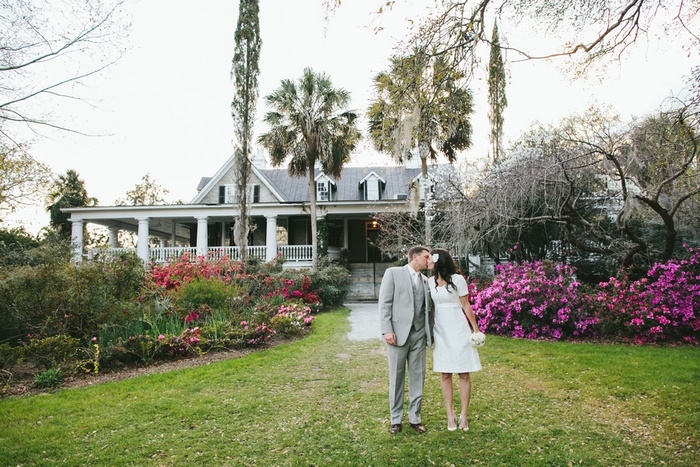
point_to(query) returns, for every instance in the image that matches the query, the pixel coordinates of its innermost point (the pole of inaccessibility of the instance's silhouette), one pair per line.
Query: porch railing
(107, 253)
(295, 252)
(167, 254)
(234, 252)
(292, 253)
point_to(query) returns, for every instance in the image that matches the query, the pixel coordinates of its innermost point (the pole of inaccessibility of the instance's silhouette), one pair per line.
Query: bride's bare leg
(447, 393)
(465, 393)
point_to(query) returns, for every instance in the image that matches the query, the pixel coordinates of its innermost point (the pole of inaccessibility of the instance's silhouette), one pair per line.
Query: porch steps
(366, 279)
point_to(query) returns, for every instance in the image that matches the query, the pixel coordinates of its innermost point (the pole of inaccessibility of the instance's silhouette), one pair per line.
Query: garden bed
(23, 375)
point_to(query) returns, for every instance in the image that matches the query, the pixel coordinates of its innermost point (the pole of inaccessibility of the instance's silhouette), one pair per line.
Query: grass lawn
(323, 401)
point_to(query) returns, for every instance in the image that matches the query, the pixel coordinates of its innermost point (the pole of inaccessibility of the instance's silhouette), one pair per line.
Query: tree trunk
(427, 207)
(312, 212)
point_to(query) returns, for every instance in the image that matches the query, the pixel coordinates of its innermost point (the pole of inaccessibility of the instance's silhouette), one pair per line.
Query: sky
(164, 108)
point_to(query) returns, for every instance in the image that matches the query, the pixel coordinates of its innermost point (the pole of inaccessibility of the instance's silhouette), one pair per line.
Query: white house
(279, 212)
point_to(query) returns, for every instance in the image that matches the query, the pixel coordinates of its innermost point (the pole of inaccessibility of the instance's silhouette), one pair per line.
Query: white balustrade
(168, 254)
(295, 252)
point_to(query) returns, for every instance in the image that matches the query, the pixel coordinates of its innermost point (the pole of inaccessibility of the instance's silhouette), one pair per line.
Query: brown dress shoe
(419, 427)
(395, 428)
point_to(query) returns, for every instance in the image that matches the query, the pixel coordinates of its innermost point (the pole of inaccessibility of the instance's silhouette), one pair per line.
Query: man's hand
(390, 338)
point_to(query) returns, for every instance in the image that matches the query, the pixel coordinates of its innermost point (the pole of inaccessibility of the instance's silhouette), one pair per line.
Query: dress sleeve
(461, 285)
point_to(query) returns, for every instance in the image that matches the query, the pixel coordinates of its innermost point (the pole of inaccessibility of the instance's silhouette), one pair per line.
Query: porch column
(142, 242)
(202, 236)
(163, 242)
(173, 234)
(223, 234)
(271, 238)
(113, 237)
(76, 240)
(345, 234)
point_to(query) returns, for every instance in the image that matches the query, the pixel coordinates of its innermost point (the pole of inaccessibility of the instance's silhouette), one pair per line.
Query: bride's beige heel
(466, 424)
(452, 428)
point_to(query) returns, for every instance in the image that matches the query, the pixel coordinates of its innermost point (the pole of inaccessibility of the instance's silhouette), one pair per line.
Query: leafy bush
(332, 284)
(199, 291)
(48, 379)
(52, 299)
(10, 356)
(15, 245)
(52, 352)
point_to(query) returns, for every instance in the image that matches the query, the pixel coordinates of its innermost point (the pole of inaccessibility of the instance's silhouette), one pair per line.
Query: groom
(405, 325)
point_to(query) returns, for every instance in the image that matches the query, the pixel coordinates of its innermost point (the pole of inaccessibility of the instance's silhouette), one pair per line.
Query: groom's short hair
(416, 250)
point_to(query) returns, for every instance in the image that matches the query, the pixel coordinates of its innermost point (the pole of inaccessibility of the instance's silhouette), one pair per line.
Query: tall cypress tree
(497, 95)
(245, 71)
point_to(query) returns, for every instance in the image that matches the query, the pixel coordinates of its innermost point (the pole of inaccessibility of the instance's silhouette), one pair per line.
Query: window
(372, 189)
(322, 193)
(227, 194)
(372, 185)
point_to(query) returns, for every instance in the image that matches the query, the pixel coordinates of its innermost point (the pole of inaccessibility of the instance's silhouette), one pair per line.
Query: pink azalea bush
(291, 318)
(543, 300)
(662, 307)
(533, 300)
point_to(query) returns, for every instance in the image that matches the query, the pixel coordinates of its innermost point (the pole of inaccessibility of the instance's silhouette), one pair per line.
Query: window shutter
(222, 194)
(256, 193)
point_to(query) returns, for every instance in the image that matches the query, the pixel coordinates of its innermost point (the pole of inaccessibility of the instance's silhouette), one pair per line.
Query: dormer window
(324, 187)
(372, 186)
(322, 191)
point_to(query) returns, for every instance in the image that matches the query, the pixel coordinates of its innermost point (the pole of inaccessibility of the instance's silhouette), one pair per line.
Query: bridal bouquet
(478, 339)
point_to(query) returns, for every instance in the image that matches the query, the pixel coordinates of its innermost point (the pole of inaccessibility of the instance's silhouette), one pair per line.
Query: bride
(454, 352)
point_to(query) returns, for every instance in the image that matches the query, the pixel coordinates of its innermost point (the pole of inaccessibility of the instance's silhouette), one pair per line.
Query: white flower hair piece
(435, 257)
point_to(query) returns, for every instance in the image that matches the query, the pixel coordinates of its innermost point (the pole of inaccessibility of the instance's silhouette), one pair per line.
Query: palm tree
(421, 103)
(309, 125)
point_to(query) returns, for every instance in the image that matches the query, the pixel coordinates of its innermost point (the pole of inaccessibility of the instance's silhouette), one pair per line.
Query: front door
(371, 234)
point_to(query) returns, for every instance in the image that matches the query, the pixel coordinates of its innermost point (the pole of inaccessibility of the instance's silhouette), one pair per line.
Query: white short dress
(453, 352)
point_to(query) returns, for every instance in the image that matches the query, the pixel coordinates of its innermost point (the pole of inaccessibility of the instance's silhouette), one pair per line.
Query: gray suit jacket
(396, 304)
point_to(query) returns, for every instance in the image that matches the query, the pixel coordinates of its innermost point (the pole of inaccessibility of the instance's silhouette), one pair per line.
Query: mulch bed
(21, 383)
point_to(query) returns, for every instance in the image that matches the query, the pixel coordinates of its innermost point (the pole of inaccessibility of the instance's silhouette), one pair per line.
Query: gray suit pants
(411, 355)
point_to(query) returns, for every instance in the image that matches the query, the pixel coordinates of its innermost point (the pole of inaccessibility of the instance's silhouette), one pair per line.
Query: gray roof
(296, 189)
(347, 186)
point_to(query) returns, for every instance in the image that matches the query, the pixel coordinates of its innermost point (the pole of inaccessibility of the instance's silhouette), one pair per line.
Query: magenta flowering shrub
(533, 300)
(662, 307)
(543, 300)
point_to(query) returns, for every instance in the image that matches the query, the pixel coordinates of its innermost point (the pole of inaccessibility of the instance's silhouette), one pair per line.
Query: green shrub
(47, 379)
(54, 299)
(15, 245)
(52, 352)
(200, 291)
(10, 356)
(332, 284)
